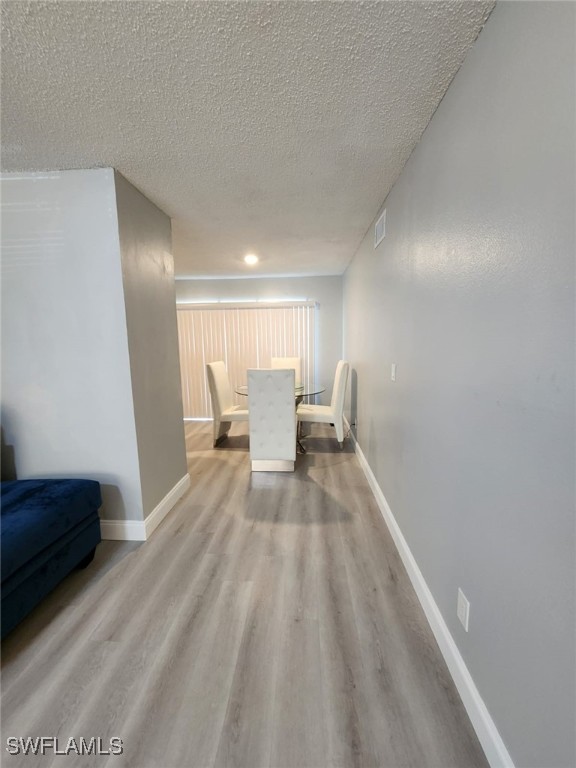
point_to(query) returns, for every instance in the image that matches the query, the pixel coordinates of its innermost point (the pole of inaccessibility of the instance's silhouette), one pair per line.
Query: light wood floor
(267, 622)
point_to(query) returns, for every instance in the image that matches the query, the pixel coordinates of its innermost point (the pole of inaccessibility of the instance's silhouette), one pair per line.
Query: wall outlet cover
(463, 609)
(380, 229)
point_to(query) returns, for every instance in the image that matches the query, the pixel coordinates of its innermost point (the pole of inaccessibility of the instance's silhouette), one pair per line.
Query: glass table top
(300, 390)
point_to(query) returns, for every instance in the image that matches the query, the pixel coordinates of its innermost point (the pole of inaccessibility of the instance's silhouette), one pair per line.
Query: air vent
(380, 229)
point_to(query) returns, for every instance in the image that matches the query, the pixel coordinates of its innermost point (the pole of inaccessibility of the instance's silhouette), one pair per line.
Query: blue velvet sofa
(49, 527)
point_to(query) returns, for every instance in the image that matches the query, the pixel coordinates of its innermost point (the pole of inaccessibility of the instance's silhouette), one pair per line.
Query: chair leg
(220, 431)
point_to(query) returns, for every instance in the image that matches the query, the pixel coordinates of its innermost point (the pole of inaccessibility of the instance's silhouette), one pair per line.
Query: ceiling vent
(380, 229)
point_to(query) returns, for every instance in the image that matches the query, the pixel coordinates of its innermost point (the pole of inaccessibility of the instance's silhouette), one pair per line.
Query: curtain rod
(244, 304)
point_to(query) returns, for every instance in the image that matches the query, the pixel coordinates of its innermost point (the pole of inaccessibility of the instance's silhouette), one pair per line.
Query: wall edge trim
(141, 530)
(153, 520)
(123, 530)
(482, 722)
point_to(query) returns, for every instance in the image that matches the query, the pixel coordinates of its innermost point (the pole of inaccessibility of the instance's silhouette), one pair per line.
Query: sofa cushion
(35, 513)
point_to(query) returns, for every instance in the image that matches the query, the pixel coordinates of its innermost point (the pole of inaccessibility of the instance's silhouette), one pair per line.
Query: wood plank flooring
(268, 622)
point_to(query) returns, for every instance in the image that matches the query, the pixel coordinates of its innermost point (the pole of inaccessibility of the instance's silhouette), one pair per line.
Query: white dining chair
(272, 419)
(333, 413)
(289, 362)
(223, 409)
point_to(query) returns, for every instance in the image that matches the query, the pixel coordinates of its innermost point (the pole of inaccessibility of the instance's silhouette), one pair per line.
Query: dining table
(300, 392)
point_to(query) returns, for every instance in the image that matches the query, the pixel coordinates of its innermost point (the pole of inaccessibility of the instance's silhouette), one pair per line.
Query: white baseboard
(123, 530)
(141, 530)
(485, 728)
(161, 510)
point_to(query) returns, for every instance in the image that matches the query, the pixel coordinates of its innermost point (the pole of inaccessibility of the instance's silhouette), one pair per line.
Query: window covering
(243, 336)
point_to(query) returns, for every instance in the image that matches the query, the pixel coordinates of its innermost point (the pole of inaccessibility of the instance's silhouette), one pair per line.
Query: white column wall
(67, 406)
(148, 279)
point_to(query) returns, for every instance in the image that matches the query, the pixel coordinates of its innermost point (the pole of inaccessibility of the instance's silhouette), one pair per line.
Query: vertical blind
(243, 336)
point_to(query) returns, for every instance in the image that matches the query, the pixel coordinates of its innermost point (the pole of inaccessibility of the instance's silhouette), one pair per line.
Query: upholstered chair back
(339, 389)
(219, 385)
(289, 362)
(272, 419)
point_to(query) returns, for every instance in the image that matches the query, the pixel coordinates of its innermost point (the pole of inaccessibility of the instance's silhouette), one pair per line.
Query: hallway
(267, 622)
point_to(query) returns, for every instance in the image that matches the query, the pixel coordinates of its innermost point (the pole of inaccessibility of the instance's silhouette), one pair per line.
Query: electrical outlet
(463, 609)
(393, 372)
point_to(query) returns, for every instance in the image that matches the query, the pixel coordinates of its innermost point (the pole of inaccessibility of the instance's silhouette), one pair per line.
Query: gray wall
(66, 393)
(148, 277)
(327, 291)
(472, 295)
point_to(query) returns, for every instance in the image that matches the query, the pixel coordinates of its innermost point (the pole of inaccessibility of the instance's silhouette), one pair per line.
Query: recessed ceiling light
(251, 259)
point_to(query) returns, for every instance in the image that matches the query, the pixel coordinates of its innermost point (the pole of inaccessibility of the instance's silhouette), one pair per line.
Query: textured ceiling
(272, 127)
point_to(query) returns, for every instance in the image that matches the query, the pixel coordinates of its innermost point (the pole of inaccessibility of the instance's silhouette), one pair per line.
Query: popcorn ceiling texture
(274, 127)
